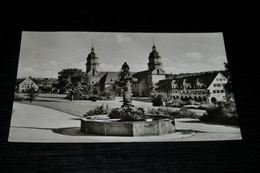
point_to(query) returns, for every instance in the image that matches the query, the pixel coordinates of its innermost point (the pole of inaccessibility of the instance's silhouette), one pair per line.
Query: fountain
(137, 125)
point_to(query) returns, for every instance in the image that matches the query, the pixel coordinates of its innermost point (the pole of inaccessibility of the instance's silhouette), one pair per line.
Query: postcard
(88, 87)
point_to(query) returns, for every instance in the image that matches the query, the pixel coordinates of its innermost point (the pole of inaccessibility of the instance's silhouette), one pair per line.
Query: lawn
(77, 108)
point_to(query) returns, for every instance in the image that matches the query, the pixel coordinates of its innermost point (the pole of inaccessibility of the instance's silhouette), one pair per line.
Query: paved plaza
(31, 123)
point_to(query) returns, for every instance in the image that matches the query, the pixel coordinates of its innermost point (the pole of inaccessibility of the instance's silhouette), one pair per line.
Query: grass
(77, 108)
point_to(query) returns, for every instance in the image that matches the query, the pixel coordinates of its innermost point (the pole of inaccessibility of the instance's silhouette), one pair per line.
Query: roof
(33, 80)
(140, 76)
(108, 78)
(192, 81)
(158, 71)
(164, 84)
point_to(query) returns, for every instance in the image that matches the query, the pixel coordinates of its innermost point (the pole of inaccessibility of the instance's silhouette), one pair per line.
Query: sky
(44, 54)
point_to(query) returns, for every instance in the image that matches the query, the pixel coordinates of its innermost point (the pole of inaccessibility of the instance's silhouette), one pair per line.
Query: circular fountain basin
(110, 127)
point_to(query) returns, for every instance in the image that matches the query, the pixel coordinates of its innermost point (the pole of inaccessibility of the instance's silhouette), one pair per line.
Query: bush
(32, 94)
(99, 110)
(223, 112)
(18, 98)
(93, 98)
(177, 103)
(128, 114)
(182, 113)
(158, 99)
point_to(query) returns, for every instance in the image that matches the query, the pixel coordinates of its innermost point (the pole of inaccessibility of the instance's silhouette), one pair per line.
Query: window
(218, 91)
(220, 79)
(222, 91)
(214, 91)
(214, 85)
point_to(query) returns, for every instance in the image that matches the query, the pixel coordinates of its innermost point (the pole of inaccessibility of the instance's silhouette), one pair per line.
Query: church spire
(92, 49)
(153, 48)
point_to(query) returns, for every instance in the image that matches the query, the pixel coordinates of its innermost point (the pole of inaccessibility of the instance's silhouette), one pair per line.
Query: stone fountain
(110, 127)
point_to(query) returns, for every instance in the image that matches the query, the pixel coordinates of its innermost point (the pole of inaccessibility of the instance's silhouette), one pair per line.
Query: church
(146, 79)
(203, 86)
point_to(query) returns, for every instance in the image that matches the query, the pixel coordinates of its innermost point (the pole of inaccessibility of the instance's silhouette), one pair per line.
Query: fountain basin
(129, 128)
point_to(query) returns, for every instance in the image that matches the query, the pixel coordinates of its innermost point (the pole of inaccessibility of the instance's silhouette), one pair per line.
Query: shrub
(223, 112)
(175, 103)
(160, 111)
(93, 98)
(181, 113)
(158, 99)
(99, 110)
(32, 94)
(184, 113)
(128, 114)
(102, 98)
(18, 98)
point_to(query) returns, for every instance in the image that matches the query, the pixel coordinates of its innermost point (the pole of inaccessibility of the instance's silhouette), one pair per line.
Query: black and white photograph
(99, 87)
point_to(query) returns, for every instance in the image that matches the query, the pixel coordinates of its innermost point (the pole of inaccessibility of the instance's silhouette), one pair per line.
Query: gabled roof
(45, 81)
(93, 71)
(108, 78)
(111, 77)
(191, 81)
(34, 81)
(164, 84)
(158, 71)
(140, 76)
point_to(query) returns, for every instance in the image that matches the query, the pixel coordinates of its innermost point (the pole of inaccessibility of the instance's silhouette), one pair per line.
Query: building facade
(205, 86)
(26, 84)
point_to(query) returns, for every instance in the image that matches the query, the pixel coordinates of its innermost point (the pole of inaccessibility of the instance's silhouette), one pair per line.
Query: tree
(226, 74)
(32, 94)
(73, 81)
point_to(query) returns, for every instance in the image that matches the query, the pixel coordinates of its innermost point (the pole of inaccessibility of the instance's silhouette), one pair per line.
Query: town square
(124, 82)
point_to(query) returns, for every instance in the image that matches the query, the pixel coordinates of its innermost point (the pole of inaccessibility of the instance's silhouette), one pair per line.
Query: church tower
(92, 66)
(155, 69)
(155, 66)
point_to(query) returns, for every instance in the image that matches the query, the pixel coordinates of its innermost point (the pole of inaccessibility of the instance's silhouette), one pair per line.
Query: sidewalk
(38, 124)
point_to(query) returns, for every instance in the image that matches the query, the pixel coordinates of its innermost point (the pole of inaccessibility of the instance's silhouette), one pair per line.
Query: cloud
(196, 56)
(123, 39)
(52, 62)
(138, 67)
(109, 67)
(188, 57)
(30, 71)
(81, 65)
(217, 60)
